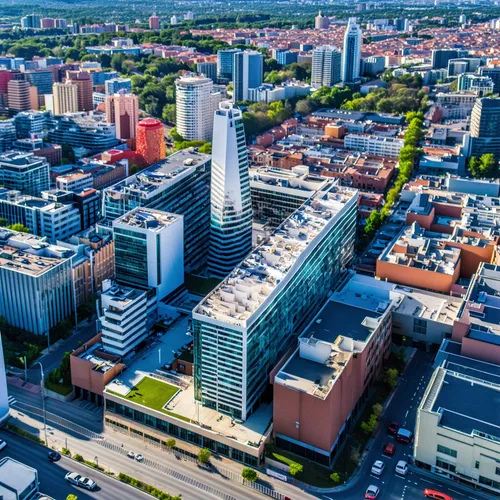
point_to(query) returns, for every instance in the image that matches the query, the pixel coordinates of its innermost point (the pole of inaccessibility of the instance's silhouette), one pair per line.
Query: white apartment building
(123, 317)
(374, 145)
(65, 98)
(75, 183)
(351, 52)
(149, 250)
(326, 67)
(195, 105)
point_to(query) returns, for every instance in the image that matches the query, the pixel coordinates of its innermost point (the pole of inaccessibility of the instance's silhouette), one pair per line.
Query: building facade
(122, 109)
(65, 98)
(248, 73)
(326, 67)
(24, 172)
(351, 52)
(150, 141)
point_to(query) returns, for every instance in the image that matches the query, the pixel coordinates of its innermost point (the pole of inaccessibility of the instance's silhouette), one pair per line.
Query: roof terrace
(147, 218)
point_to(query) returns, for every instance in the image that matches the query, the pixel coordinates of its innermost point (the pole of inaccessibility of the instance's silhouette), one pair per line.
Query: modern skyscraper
(83, 80)
(65, 98)
(195, 106)
(150, 140)
(18, 94)
(41, 79)
(149, 250)
(441, 57)
(122, 109)
(231, 204)
(154, 22)
(225, 64)
(246, 324)
(326, 64)
(248, 73)
(485, 127)
(321, 22)
(351, 52)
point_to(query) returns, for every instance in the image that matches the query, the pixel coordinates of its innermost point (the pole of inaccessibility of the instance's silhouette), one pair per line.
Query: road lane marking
(374, 477)
(427, 481)
(455, 491)
(407, 411)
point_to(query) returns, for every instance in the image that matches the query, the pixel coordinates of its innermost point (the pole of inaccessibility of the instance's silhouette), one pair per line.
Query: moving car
(404, 436)
(81, 481)
(378, 468)
(54, 456)
(131, 454)
(402, 468)
(372, 492)
(436, 494)
(139, 457)
(389, 449)
(393, 428)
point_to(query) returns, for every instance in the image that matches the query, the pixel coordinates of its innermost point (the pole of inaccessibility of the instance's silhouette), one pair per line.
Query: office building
(65, 98)
(441, 57)
(475, 83)
(114, 85)
(351, 52)
(7, 134)
(149, 250)
(248, 73)
(195, 106)
(74, 182)
(150, 141)
(246, 324)
(123, 317)
(285, 56)
(494, 74)
(19, 96)
(29, 123)
(35, 282)
(83, 80)
(208, 69)
(41, 79)
(225, 64)
(463, 65)
(321, 22)
(374, 144)
(373, 65)
(231, 204)
(154, 22)
(24, 172)
(326, 67)
(180, 184)
(122, 109)
(485, 127)
(31, 21)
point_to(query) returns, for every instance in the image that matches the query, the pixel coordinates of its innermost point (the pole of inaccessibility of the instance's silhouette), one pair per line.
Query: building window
(476, 466)
(420, 326)
(489, 482)
(446, 451)
(497, 470)
(445, 465)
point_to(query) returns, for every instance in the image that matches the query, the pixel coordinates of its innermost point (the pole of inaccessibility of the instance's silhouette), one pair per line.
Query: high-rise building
(150, 140)
(494, 74)
(114, 85)
(154, 22)
(351, 52)
(47, 23)
(179, 184)
(485, 127)
(208, 69)
(31, 122)
(225, 64)
(321, 22)
(4, 396)
(441, 57)
(5, 77)
(18, 96)
(326, 64)
(246, 324)
(83, 80)
(30, 21)
(248, 73)
(231, 204)
(41, 79)
(24, 172)
(285, 56)
(7, 134)
(35, 282)
(122, 109)
(195, 106)
(149, 250)
(65, 98)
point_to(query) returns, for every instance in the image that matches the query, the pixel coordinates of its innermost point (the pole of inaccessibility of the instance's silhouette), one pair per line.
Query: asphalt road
(51, 475)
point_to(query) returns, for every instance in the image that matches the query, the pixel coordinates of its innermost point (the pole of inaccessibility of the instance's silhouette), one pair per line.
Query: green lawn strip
(62, 389)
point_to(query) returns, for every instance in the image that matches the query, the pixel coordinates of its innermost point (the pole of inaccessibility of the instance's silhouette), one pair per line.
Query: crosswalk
(12, 400)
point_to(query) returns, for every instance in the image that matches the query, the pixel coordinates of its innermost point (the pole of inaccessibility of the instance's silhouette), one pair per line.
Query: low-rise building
(75, 182)
(17, 480)
(374, 144)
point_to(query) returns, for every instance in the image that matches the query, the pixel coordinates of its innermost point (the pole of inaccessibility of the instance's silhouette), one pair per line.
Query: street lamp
(42, 387)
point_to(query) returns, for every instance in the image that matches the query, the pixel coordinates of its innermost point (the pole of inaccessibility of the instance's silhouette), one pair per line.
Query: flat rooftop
(91, 355)
(147, 218)
(244, 291)
(15, 475)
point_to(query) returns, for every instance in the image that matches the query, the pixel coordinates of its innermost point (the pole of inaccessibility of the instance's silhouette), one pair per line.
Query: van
(404, 436)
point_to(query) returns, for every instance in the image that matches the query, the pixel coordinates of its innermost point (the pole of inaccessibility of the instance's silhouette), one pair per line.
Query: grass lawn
(198, 285)
(154, 394)
(59, 388)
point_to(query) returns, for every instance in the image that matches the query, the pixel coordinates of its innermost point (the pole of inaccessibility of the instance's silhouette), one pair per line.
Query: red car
(393, 428)
(389, 449)
(372, 492)
(437, 495)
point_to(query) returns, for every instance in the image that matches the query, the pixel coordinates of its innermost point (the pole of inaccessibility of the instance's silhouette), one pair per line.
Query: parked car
(437, 495)
(393, 428)
(404, 436)
(372, 492)
(139, 457)
(402, 468)
(389, 449)
(81, 481)
(131, 455)
(378, 468)
(54, 456)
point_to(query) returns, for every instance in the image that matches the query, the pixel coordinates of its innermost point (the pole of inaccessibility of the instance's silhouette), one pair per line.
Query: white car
(402, 468)
(378, 468)
(81, 481)
(3, 444)
(139, 457)
(131, 455)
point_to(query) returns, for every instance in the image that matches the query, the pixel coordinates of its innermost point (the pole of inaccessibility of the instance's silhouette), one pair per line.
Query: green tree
(391, 377)
(170, 443)
(249, 474)
(335, 477)
(489, 165)
(204, 456)
(475, 166)
(71, 497)
(369, 426)
(168, 113)
(19, 227)
(377, 410)
(65, 368)
(206, 148)
(295, 468)
(3, 222)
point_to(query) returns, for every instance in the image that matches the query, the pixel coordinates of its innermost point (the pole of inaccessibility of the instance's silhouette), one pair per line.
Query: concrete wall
(483, 351)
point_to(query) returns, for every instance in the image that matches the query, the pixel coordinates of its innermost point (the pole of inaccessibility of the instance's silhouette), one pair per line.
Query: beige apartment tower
(122, 109)
(65, 98)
